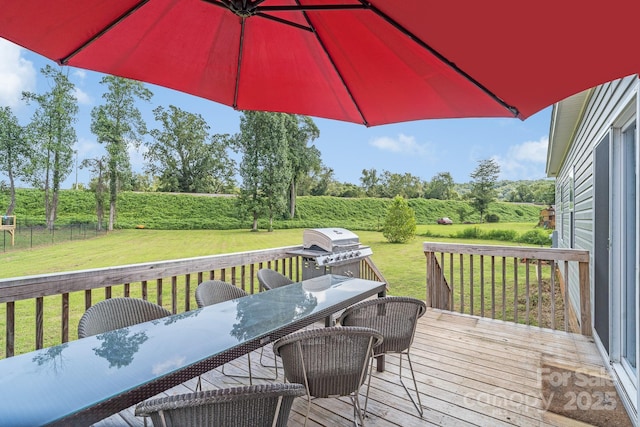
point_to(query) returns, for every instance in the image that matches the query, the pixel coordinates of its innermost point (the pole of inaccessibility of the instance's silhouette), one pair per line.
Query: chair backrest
(271, 279)
(394, 317)
(329, 361)
(257, 405)
(116, 313)
(214, 291)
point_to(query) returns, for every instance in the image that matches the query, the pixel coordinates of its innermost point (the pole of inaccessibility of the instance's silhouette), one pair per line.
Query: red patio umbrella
(372, 62)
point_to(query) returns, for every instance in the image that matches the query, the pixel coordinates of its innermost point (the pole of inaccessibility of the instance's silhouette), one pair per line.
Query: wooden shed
(548, 218)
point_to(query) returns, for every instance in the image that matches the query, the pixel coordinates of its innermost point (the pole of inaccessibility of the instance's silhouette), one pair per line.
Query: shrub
(400, 224)
(492, 217)
(536, 237)
(469, 233)
(503, 235)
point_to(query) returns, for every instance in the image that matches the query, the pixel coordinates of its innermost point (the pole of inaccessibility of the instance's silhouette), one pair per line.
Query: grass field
(403, 265)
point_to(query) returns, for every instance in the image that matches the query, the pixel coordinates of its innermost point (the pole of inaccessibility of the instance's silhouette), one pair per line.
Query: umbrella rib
(240, 51)
(335, 67)
(513, 110)
(284, 21)
(125, 15)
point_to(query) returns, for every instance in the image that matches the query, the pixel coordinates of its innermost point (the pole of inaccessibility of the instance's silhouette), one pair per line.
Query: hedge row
(189, 211)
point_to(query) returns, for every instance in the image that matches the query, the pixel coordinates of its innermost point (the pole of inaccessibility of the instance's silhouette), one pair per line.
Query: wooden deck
(471, 372)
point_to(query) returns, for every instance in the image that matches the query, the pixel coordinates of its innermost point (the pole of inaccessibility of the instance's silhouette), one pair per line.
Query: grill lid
(329, 239)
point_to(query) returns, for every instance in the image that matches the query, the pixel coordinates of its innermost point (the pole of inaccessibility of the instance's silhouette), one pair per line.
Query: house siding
(574, 183)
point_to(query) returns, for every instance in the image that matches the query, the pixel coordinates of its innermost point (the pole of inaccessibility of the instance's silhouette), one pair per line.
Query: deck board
(471, 371)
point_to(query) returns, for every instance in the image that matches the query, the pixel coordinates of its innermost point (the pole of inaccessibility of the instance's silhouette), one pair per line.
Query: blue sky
(422, 148)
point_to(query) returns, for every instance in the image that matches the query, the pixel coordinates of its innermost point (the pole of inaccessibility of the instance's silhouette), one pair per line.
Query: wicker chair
(116, 313)
(212, 292)
(396, 319)
(264, 405)
(271, 279)
(330, 362)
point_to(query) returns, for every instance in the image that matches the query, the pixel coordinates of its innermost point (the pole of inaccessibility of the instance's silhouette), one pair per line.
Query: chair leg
(418, 405)
(366, 400)
(355, 401)
(274, 366)
(250, 376)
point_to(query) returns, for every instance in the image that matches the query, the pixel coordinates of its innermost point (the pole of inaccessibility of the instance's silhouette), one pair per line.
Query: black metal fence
(30, 234)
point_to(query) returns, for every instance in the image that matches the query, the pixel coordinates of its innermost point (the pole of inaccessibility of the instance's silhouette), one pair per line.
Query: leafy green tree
(522, 193)
(303, 158)
(400, 223)
(441, 187)
(346, 189)
(483, 184)
(321, 181)
(406, 185)
(14, 153)
(370, 182)
(98, 167)
(544, 191)
(117, 124)
(185, 157)
(265, 168)
(52, 136)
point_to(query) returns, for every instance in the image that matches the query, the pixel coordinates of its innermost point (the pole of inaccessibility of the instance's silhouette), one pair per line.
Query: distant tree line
(278, 158)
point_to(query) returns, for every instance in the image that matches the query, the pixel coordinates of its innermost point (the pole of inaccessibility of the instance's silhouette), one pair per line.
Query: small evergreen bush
(400, 224)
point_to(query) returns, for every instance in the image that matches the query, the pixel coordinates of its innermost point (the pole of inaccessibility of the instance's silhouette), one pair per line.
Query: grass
(403, 265)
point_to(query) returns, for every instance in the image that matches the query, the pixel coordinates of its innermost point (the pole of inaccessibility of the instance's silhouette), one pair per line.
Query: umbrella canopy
(372, 62)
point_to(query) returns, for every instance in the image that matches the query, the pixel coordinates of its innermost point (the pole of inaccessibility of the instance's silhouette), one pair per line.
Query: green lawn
(403, 265)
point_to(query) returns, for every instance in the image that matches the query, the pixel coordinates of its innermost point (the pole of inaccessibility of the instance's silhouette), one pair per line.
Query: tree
(117, 124)
(483, 181)
(265, 168)
(321, 181)
(400, 223)
(544, 191)
(98, 167)
(406, 185)
(303, 158)
(14, 152)
(522, 193)
(370, 182)
(185, 157)
(441, 187)
(52, 136)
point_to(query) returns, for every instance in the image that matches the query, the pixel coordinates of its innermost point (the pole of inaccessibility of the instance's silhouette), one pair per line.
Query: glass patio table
(84, 381)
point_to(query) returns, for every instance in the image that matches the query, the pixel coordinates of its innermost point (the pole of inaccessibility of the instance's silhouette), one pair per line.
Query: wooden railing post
(439, 294)
(585, 299)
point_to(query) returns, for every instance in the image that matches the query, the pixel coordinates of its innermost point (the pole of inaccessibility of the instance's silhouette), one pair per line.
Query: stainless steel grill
(331, 251)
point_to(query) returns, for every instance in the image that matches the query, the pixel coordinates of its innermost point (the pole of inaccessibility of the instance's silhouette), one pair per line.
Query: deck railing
(43, 310)
(535, 286)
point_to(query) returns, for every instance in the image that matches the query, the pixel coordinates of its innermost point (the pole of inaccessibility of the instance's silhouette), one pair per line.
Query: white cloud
(80, 74)
(82, 96)
(16, 74)
(402, 144)
(524, 161)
